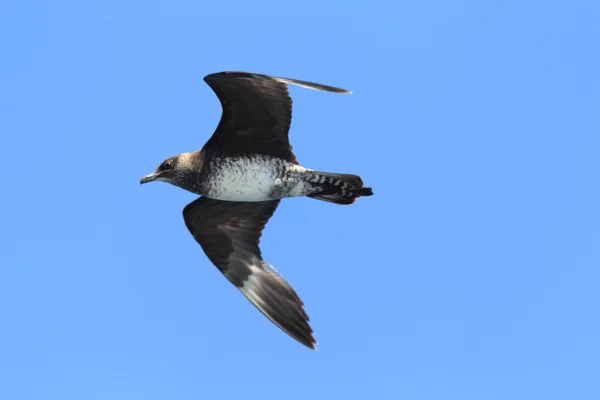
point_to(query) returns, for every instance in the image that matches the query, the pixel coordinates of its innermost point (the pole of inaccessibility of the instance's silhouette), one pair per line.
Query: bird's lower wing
(229, 233)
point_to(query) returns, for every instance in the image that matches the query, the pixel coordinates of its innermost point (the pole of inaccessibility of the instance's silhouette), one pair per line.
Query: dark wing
(229, 233)
(257, 113)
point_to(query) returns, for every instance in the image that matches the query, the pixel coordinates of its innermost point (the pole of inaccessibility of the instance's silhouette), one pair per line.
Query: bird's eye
(166, 165)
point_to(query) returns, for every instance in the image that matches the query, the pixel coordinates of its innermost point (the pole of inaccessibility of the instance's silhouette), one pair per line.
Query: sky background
(473, 273)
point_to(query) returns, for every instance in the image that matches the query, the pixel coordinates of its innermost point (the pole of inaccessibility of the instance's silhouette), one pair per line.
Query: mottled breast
(254, 178)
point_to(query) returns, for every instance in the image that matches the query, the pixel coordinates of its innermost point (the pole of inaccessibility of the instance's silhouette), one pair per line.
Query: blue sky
(473, 273)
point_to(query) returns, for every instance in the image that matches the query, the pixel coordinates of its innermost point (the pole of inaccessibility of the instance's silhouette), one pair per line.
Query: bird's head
(178, 170)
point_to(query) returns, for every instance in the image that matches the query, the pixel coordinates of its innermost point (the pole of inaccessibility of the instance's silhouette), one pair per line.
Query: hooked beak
(149, 178)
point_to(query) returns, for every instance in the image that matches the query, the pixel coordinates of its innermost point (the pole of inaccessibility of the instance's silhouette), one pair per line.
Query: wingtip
(311, 85)
(308, 341)
(305, 84)
(338, 90)
(311, 343)
(272, 295)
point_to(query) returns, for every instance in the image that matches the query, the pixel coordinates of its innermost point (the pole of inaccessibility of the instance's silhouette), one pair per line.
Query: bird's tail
(337, 188)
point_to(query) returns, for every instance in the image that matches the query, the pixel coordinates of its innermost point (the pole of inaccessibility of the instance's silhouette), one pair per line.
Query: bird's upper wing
(229, 233)
(257, 113)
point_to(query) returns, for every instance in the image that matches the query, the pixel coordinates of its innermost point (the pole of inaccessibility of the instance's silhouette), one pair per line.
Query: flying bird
(242, 173)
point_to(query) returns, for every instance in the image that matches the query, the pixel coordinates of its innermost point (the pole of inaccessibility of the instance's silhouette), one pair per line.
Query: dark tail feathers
(337, 188)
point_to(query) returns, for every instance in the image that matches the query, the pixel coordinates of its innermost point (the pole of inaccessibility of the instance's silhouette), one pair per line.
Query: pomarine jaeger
(242, 173)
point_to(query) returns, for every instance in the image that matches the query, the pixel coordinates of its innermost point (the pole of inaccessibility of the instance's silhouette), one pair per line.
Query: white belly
(258, 178)
(243, 181)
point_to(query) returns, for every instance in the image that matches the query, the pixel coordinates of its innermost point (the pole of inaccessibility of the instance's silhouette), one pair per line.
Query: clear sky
(473, 273)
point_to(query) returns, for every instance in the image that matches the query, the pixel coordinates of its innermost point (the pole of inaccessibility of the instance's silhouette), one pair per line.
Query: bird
(241, 174)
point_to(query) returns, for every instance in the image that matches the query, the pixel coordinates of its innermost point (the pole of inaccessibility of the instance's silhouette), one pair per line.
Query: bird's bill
(149, 178)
